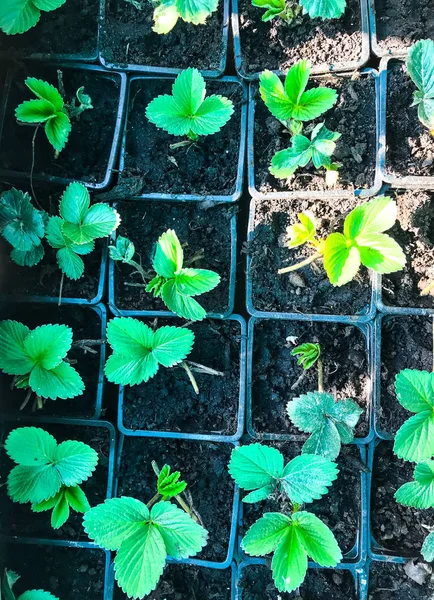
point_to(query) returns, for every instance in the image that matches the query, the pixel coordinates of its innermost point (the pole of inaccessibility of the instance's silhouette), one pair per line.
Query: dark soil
(276, 373)
(400, 529)
(307, 290)
(400, 23)
(127, 37)
(207, 167)
(339, 509)
(353, 116)
(70, 29)
(277, 45)
(389, 581)
(86, 154)
(410, 148)
(167, 402)
(85, 324)
(207, 231)
(406, 343)
(414, 232)
(203, 465)
(257, 584)
(69, 573)
(18, 519)
(187, 582)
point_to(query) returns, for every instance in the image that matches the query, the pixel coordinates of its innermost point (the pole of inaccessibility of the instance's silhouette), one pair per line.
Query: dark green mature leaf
(68, 253)
(414, 441)
(291, 101)
(324, 9)
(18, 16)
(420, 66)
(306, 478)
(420, 492)
(20, 223)
(187, 111)
(28, 258)
(138, 351)
(331, 422)
(143, 539)
(176, 285)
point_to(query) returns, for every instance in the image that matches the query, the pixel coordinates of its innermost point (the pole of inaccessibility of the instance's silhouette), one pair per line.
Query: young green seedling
(414, 440)
(420, 494)
(49, 108)
(175, 284)
(290, 102)
(124, 252)
(37, 360)
(23, 227)
(291, 538)
(187, 111)
(48, 474)
(144, 535)
(9, 579)
(420, 67)
(167, 13)
(73, 234)
(19, 17)
(329, 421)
(363, 242)
(289, 10)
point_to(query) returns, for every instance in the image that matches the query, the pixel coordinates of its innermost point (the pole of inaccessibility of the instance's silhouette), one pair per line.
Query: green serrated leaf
(31, 446)
(171, 345)
(48, 5)
(302, 232)
(20, 223)
(306, 477)
(324, 9)
(60, 513)
(33, 484)
(415, 390)
(74, 203)
(13, 357)
(75, 462)
(47, 345)
(37, 595)
(98, 222)
(341, 261)
(57, 131)
(168, 484)
(77, 499)
(44, 90)
(70, 263)
(28, 258)
(182, 536)
(196, 11)
(169, 255)
(192, 282)
(61, 382)
(256, 467)
(317, 539)
(187, 111)
(182, 305)
(18, 16)
(264, 536)
(289, 564)
(375, 216)
(419, 493)
(414, 440)
(420, 66)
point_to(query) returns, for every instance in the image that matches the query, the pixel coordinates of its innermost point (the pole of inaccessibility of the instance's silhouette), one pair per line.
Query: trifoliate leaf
(420, 492)
(138, 351)
(428, 548)
(306, 477)
(48, 344)
(331, 422)
(302, 232)
(187, 111)
(324, 9)
(169, 484)
(124, 250)
(256, 467)
(292, 101)
(67, 259)
(18, 16)
(13, 357)
(20, 223)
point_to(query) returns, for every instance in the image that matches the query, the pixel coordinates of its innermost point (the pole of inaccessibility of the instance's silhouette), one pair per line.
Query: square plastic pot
(408, 181)
(354, 570)
(234, 515)
(119, 78)
(367, 330)
(113, 274)
(161, 70)
(83, 546)
(75, 423)
(24, 298)
(327, 194)
(364, 316)
(210, 198)
(364, 575)
(338, 67)
(100, 310)
(171, 561)
(198, 436)
(358, 553)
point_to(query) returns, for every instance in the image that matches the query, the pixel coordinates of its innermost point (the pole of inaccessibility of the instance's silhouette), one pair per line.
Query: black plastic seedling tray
(150, 69)
(119, 78)
(326, 194)
(338, 67)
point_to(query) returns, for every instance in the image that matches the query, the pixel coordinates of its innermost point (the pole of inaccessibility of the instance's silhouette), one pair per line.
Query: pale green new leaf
(187, 111)
(428, 548)
(165, 16)
(169, 255)
(289, 564)
(302, 232)
(169, 484)
(420, 492)
(256, 467)
(308, 354)
(306, 477)
(324, 9)
(376, 216)
(192, 282)
(341, 261)
(380, 253)
(415, 390)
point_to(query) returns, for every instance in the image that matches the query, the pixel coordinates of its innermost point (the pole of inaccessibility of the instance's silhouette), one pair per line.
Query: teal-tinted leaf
(196, 11)
(182, 536)
(13, 356)
(37, 595)
(130, 371)
(324, 441)
(428, 548)
(48, 5)
(183, 306)
(323, 145)
(47, 504)
(18, 16)
(124, 250)
(415, 390)
(31, 446)
(419, 493)
(324, 9)
(306, 477)
(285, 162)
(341, 261)
(57, 131)
(54, 234)
(44, 90)
(47, 345)
(308, 411)
(264, 536)
(28, 258)
(61, 382)
(60, 513)
(75, 462)
(192, 282)
(169, 255)
(21, 224)
(33, 484)
(130, 337)
(74, 203)
(256, 467)
(99, 221)
(35, 111)
(414, 440)
(77, 499)
(70, 263)
(171, 345)
(420, 66)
